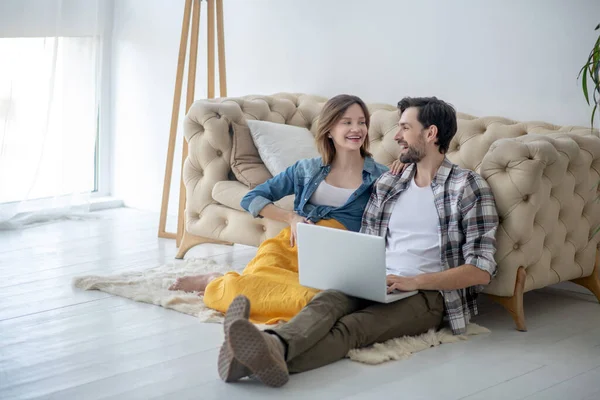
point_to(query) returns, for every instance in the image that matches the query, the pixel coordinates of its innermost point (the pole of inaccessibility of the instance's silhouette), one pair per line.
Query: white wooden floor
(61, 343)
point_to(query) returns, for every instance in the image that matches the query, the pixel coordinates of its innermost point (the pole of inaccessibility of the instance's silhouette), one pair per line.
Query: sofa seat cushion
(230, 194)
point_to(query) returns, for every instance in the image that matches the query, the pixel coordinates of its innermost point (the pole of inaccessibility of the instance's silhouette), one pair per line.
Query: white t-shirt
(413, 240)
(332, 196)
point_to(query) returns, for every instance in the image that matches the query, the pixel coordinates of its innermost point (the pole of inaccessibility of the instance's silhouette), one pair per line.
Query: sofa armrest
(545, 189)
(206, 128)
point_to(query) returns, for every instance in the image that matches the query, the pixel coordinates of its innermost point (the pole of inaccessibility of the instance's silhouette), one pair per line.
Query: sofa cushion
(230, 194)
(280, 145)
(246, 163)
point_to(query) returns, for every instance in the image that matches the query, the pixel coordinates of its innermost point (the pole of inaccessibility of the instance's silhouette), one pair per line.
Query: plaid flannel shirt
(468, 223)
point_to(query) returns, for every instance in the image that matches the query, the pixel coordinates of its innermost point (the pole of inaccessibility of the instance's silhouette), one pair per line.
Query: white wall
(513, 58)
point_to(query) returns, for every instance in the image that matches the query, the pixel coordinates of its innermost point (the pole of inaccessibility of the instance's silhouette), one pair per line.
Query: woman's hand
(294, 220)
(397, 167)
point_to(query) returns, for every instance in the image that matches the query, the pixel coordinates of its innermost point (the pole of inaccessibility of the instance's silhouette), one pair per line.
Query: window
(50, 97)
(48, 104)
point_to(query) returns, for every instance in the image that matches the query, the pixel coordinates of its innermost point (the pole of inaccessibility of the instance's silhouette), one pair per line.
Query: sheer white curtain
(50, 80)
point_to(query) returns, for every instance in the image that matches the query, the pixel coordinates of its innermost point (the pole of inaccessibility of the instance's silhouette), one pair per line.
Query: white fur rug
(151, 286)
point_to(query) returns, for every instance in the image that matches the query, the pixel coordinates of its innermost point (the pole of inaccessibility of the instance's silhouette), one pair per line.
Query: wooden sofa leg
(592, 282)
(188, 241)
(514, 304)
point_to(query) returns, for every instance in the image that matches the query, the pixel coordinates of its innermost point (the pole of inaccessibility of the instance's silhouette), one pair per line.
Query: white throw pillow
(280, 145)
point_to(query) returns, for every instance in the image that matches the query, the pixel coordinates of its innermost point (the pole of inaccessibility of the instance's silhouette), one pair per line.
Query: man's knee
(331, 295)
(335, 297)
(336, 302)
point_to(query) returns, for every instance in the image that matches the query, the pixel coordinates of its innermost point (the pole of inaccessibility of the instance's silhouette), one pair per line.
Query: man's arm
(454, 278)
(479, 219)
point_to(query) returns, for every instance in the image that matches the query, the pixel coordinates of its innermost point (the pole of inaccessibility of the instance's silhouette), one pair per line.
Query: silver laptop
(350, 262)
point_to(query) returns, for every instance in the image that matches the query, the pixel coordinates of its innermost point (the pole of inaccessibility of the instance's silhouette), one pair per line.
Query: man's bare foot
(196, 283)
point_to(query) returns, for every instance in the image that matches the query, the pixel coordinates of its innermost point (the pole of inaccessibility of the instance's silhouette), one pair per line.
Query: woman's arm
(271, 211)
(268, 192)
(259, 201)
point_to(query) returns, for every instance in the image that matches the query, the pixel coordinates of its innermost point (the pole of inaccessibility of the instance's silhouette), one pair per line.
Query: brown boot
(261, 352)
(230, 369)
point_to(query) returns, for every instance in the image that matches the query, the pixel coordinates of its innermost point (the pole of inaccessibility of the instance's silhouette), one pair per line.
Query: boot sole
(230, 369)
(251, 349)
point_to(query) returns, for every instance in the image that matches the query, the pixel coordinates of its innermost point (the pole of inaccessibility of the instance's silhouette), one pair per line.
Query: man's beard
(414, 154)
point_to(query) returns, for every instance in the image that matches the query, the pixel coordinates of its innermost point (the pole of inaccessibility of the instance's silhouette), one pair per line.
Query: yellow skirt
(270, 281)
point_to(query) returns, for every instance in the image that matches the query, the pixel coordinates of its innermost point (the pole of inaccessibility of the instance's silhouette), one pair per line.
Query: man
(439, 222)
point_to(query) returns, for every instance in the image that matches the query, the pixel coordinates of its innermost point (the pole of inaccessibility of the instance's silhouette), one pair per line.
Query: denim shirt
(301, 180)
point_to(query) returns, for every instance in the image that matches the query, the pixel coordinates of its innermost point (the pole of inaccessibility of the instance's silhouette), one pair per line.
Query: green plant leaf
(585, 89)
(590, 59)
(592, 68)
(583, 69)
(583, 73)
(596, 54)
(594, 50)
(589, 74)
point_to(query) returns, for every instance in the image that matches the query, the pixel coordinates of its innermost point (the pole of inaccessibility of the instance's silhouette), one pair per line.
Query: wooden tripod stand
(191, 8)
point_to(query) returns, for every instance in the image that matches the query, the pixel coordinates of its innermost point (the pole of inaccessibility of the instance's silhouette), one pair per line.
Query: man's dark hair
(432, 111)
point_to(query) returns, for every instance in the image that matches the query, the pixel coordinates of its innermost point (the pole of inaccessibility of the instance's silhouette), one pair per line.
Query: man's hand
(451, 279)
(402, 283)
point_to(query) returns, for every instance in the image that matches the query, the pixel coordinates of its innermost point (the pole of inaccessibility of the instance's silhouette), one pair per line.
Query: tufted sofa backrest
(472, 141)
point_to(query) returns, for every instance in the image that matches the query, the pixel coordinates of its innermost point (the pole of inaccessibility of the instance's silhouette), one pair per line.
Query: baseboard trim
(105, 203)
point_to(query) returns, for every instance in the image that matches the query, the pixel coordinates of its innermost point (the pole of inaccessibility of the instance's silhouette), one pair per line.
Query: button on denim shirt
(302, 179)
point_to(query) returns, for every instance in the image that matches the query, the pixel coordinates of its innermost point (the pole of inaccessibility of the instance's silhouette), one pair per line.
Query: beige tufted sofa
(544, 178)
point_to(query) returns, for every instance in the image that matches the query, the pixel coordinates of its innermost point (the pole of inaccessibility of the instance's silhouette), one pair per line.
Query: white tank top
(332, 196)
(413, 239)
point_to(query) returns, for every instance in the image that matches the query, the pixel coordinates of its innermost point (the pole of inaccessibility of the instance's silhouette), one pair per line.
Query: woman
(331, 191)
